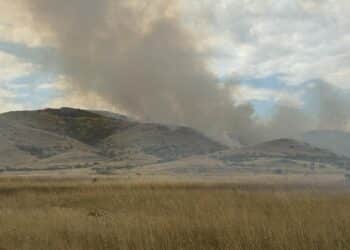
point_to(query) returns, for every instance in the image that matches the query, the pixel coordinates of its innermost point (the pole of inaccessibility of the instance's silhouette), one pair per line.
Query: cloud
(7, 102)
(18, 83)
(299, 40)
(246, 94)
(6, 106)
(59, 84)
(152, 61)
(12, 67)
(14, 28)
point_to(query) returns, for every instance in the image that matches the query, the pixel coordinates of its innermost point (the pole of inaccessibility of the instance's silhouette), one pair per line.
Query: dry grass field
(110, 214)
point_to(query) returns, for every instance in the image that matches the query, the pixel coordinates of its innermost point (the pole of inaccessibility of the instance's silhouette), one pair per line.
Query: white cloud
(4, 93)
(300, 39)
(60, 84)
(244, 94)
(6, 106)
(6, 101)
(12, 67)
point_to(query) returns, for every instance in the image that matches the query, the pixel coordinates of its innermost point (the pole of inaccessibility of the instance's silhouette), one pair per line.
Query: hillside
(282, 155)
(84, 126)
(336, 141)
(164, 142)
(104, 142)
(69, 137)
(22, 145)
(279, 148)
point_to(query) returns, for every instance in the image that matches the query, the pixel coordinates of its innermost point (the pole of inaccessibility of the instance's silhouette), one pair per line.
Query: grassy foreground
(82, 214)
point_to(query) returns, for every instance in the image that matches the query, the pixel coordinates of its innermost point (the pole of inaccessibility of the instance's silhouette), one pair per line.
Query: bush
(103, 171)
(278, 171)
(347, 177)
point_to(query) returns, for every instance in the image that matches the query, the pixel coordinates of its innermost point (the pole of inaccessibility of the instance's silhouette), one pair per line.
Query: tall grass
(74, 214)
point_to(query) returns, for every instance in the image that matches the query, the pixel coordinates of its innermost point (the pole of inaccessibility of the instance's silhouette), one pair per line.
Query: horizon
(278, 63)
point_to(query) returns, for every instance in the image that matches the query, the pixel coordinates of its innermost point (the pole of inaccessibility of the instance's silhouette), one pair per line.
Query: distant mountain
(336, 141)
(84, 140)
(69, 137)
(287, 148)
(280, 156)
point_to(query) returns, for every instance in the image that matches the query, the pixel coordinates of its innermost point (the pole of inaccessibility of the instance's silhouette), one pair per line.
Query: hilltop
(105, 142)
(67, 137)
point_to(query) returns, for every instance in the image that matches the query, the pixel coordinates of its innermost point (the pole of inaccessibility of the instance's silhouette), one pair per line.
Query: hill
(21, 145)
(104, 142)
(287, 148)
(336, 141)
(69, 137)
(280, 156)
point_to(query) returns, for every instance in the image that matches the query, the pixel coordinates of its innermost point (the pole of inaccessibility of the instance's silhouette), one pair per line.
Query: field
(41, 213)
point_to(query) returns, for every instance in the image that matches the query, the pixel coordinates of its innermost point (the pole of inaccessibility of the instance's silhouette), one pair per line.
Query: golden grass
(80, 214)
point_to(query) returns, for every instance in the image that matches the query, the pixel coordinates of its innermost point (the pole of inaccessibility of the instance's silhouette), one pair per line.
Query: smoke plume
(140, 58)
(331, 107)
(327, 108)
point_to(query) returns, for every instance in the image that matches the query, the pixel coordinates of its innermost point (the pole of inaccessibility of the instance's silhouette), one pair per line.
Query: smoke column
(140, 58)
(331, 106)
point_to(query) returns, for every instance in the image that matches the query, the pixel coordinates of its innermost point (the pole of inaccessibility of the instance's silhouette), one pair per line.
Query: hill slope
(23, 146)
(280, 148)
(273, 157)
(68, 137)
(336, 141)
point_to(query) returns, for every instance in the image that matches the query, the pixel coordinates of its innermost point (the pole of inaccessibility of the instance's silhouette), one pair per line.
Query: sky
(277, 51)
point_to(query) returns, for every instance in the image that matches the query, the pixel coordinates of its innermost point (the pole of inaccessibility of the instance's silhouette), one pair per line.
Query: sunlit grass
(107, 214)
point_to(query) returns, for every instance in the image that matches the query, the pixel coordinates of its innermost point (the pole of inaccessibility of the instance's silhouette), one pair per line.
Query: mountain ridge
(102, 138)
(68, 138)
(334, 140)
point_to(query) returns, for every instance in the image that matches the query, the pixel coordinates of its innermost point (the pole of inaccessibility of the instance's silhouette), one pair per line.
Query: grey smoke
(141, 58)
(332, 107)
(327, 108)
(286, 122)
